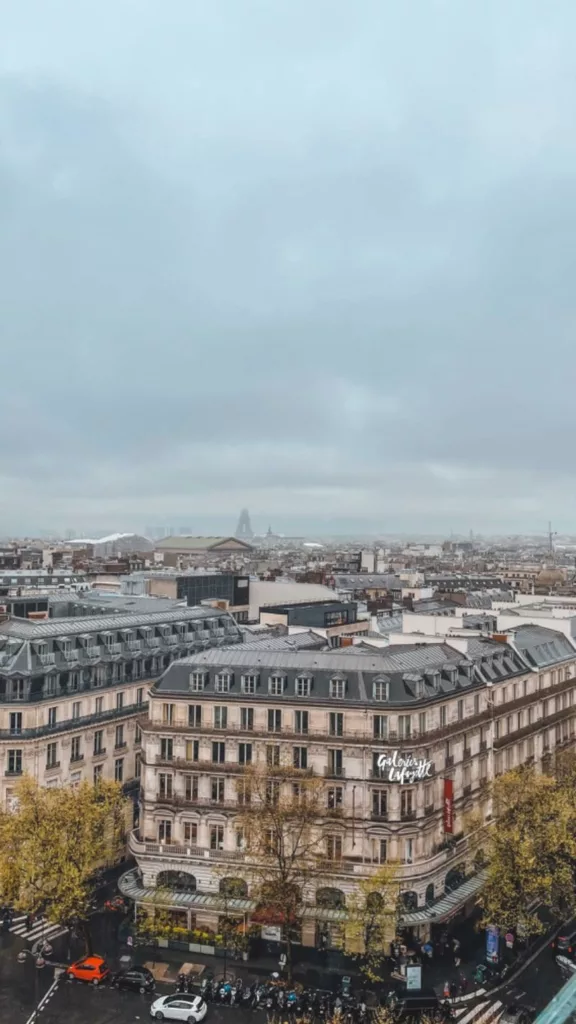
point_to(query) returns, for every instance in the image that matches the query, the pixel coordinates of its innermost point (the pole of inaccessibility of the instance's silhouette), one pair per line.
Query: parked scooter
(206, 988)
(225, 992)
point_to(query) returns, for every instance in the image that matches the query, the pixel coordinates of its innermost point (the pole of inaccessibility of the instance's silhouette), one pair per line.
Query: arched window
(181, 881)
(430, 893)
(374, 902)
(409, 900)
(234, 888)
(454, 878)
(330, 899)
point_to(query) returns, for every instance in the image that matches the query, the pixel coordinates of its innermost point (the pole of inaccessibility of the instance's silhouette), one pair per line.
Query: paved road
(22, 988)
(533, 988)
(21, 985)
(82, 1004)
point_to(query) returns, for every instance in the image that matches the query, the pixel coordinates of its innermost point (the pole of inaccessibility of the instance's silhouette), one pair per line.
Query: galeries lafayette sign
(404, 770)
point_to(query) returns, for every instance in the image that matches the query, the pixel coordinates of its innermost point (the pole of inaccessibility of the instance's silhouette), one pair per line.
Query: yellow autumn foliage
(531, 848)
(52, 842)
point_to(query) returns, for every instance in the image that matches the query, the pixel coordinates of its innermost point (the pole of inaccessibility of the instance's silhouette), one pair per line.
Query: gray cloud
(317, 258)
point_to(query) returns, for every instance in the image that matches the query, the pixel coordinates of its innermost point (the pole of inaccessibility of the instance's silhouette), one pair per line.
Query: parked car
(93, 969)
(567, 967)
(565, 943)
(139, 979)
(516, 1014)
(179, 1007)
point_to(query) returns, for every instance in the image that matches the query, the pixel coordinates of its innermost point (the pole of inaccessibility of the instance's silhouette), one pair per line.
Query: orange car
(90, 968)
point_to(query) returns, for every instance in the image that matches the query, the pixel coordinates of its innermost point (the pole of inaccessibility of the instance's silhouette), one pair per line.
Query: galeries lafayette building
(406, 742)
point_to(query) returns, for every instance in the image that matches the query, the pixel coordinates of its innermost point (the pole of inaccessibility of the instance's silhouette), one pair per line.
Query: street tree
(281, 825)
(231, 923)
(51, 843)
(373, 914)
(531, 849)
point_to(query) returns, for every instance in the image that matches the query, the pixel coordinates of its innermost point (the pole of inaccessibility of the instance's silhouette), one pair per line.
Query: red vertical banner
(448, 806)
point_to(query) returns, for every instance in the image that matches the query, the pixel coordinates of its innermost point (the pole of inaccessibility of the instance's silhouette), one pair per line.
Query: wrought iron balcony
(73, 723)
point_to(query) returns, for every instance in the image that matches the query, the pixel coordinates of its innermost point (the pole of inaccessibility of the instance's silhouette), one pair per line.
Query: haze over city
(312, 258)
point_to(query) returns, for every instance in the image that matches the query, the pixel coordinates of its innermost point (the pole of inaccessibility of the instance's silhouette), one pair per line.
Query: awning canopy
(448, 904)
(130, 884)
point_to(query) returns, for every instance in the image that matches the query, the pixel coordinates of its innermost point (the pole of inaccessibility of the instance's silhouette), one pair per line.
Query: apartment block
(405, 741)
(71, 690)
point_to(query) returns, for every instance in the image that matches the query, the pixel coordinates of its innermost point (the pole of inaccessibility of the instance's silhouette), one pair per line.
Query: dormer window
(338, 688)
(303, 686)
(381, 690)
(249, 683)
(223, 682)
(415, 685)
(197, 681)
(433, 678)
(276, 685)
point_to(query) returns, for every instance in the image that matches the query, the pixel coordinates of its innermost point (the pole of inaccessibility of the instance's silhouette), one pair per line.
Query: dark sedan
(139, 979)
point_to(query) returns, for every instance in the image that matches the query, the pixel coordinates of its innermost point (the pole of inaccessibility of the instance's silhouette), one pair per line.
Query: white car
(179, 1006)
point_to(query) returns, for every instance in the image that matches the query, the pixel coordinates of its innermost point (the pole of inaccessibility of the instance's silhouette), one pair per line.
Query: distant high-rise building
(244, 529)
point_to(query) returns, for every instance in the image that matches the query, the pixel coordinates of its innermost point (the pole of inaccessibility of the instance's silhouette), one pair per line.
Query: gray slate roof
(368, 581)
(485, 598)
(27, 629)
(281, 642)
(414, 672)
(542, 646)
(102, 601)
(189, 543)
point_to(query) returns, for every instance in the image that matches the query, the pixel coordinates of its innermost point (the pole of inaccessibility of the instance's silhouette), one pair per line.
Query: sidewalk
(312, 968)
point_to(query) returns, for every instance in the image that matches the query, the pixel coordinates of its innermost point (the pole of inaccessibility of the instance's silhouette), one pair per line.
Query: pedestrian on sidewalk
(453, 990)
(446, 990)
(463, 984)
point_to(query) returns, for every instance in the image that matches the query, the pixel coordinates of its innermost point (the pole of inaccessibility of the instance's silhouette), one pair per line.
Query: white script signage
(407, 769)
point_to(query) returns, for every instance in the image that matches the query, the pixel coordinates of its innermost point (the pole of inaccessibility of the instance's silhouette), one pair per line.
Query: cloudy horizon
(311, 258)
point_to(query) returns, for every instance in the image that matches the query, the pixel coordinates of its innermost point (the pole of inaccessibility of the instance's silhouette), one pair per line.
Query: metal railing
(73, 723)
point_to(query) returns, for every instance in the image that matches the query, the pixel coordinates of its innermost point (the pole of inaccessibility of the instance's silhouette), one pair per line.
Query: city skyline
(220, 526)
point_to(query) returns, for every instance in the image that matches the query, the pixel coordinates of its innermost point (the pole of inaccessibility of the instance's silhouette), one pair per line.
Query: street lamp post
(37, 957)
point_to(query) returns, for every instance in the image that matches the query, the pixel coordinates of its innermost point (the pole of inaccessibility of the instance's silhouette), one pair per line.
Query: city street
(23, 987)
(83, 1004)
(533, 988)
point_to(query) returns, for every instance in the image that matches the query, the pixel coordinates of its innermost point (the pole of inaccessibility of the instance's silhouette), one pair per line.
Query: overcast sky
(315, 257)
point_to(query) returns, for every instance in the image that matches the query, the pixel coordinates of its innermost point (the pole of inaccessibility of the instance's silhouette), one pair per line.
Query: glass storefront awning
(448, 904)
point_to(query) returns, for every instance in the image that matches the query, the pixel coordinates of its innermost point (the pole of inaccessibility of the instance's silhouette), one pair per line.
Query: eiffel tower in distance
(244, 529)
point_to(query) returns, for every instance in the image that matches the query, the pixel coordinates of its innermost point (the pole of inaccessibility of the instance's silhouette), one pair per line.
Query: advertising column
(492, 943)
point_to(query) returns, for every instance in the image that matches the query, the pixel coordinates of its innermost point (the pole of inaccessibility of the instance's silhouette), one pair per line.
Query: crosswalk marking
(485, 1012)
(470, 1014)
(39, 930)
